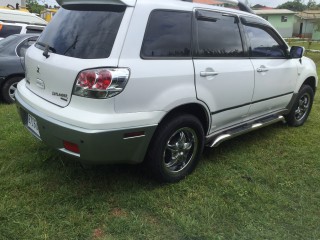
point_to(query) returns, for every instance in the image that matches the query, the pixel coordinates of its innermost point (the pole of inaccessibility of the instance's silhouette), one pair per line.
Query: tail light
(101, 83)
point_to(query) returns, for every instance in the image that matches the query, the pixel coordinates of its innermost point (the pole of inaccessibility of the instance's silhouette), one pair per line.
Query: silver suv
(127, 81)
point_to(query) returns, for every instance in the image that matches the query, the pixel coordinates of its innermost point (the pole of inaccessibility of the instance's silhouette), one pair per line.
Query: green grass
(262, 185)
(308, 45)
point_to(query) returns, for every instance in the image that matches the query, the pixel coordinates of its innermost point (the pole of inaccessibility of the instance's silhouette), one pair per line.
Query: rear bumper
(96, 146)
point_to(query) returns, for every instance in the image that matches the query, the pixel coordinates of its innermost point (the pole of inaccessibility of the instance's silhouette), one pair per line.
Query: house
(260, 7)
(210, 2)
(307, 24)
(282, 20)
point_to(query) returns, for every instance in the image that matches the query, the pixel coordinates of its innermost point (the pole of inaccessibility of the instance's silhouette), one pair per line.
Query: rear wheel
(9, 88)
(176, 148)
(302, 107)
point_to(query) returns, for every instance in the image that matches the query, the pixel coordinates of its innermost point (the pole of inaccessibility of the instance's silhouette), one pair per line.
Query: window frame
(167, 57)
(284, 18)
(195, 34)
(249, 21)
(108, 40)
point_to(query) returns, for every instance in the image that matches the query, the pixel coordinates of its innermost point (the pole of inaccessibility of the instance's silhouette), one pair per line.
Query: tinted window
(36, 30)
(7, 30)
(85, 34)
(262, 42)
(168, 34)
(218, 36)
(22, 48)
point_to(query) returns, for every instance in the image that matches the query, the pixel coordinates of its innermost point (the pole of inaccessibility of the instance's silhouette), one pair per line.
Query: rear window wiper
(47, 47)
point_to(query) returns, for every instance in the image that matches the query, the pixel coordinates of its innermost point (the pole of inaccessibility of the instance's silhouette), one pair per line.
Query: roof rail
(242, 6)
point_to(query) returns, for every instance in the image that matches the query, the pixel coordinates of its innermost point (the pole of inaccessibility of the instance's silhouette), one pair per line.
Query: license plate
(33, 125)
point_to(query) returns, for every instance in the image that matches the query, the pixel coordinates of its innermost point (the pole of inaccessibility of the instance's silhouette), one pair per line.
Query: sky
(269, 3)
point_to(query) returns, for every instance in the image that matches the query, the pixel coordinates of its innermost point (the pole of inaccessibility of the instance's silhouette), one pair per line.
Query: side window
(168, 34)
(22, 48)
(263, 43)
(37, 30)
(218, 35)
(7, 30)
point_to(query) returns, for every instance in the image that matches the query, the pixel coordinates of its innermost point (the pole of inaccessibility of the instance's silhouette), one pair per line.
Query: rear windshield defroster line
(85, 34)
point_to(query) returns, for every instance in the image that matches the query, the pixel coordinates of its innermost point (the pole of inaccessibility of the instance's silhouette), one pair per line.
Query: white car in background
(127, 81)
(18, 22)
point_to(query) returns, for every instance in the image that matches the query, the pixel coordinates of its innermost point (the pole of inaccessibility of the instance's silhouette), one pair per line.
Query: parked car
(12, 52)
(15, 22)
(7, 29)
(127, 81)
(7, 15)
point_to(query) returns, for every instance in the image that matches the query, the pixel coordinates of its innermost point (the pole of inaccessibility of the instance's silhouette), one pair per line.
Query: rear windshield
(79, 33)
(7, 30)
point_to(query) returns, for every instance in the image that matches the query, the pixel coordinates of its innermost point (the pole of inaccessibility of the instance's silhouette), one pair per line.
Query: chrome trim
(69, 152)
(128, 138)
(261, 70)
(220, 139)
(208, 74)
(237, 131)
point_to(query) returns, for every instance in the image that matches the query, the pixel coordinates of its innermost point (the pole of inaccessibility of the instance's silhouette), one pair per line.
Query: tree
(34, 7)
(295, 5)
(312, 5)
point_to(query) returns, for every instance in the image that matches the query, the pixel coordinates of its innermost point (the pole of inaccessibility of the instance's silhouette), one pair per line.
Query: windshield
(86, 34)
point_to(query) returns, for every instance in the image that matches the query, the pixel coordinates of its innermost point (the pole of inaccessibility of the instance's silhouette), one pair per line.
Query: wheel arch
(12, 76)
(311, 81)
(196, 109)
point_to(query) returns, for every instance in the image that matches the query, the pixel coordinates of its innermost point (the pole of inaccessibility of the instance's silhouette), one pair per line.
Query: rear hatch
(79, 37)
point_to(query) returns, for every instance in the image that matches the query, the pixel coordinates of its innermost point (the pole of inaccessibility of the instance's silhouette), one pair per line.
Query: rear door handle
(262, 69)
(208, 74)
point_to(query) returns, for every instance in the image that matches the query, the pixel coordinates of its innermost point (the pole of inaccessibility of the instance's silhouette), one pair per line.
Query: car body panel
(10, 63)
(58, 72)
(156, 88)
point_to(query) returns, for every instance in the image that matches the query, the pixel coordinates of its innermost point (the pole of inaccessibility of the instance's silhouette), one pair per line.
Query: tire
(9, 88)
(301, 108)
(176, 148)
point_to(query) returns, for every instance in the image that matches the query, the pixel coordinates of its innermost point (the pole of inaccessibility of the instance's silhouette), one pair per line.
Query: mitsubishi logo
(38, 69)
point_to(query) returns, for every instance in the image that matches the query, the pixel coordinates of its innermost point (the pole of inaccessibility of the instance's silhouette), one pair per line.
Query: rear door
(78, 38)
(275, 73)
(224, 73)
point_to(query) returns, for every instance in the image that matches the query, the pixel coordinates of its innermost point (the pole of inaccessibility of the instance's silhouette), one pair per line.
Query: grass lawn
(307, 44)
(262, 185)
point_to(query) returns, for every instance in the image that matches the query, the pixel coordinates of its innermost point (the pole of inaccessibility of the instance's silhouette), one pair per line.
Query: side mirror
(296, 52)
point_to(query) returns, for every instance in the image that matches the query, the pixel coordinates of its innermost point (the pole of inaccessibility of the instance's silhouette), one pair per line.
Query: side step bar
(214, 140)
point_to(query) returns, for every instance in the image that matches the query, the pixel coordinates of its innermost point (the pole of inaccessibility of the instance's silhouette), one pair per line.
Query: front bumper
(96, 146)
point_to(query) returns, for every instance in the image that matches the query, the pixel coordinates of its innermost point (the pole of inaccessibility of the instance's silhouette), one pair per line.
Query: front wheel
(176, 148)
(302, 107)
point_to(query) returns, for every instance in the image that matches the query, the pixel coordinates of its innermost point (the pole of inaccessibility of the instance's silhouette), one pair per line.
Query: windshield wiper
(46, 49)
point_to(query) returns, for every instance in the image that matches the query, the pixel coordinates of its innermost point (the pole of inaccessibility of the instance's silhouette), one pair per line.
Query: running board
(215, 139)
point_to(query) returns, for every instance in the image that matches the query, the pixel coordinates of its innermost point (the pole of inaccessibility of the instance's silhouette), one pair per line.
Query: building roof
(273, 12)
(261, 7)
(210, 2)
(309, 14)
